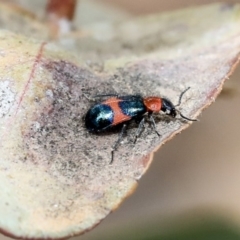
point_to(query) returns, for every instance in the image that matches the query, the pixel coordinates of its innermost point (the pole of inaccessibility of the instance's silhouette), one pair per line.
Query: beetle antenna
(180, 97)
(189, 119)
(179, 102)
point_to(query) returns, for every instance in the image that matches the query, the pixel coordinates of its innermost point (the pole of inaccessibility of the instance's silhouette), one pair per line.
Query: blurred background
(192, 189)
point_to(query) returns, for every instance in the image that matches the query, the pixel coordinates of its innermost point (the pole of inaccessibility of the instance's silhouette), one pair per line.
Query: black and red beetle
(117, 110)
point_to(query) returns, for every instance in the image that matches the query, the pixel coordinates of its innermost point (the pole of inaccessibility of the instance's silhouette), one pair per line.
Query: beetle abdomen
(99, 117)
(114, 111)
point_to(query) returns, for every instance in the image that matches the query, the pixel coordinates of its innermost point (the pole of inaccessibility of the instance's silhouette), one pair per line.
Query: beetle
(116, 110)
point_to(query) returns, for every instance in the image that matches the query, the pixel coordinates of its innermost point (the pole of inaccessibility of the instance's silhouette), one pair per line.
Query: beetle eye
(173, 113)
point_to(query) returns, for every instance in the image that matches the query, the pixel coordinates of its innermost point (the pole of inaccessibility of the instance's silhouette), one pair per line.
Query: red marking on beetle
(153, 104)
(37, 60)
(119, 116)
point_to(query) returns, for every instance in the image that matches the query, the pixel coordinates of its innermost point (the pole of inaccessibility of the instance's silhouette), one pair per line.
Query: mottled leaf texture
(55, 177)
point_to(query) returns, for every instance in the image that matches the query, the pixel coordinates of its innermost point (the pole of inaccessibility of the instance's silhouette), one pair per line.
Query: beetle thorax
(153, 104)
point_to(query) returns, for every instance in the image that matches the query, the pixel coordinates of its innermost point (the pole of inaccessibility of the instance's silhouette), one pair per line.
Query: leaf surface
(55, 176)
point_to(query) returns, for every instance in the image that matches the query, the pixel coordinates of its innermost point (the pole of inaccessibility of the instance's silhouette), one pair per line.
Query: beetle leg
(120, 136)
(154, 124)
(139, 130)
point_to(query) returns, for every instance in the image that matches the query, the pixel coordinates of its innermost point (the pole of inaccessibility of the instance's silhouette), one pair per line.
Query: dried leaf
(63, 9)
(55, 177)
(60, 14)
